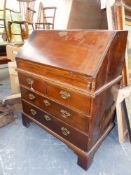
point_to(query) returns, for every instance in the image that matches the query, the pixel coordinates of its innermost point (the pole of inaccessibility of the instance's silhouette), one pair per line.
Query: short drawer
(69, 98)
(32, 82)
(65, 114)
(59, 127)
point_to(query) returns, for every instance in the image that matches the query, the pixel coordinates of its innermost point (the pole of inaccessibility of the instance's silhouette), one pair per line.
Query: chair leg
(21, 32)
(10, 33)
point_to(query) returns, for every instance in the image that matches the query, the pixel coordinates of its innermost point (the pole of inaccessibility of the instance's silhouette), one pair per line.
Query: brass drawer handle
(29, 81)
(33, 112)
(31, 97)
(64, 94)
(47, 118)
(65, 131)
(64, 113)
(46, 102)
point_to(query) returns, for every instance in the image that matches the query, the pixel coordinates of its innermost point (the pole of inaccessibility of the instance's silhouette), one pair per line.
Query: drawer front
(73, 118)
(32, 83)
(59, 127)
(69, 98)
(54, 73)
(63, 95)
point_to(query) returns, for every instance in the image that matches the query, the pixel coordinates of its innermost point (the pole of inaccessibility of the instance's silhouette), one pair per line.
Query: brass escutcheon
(89, 85)
(30, 81)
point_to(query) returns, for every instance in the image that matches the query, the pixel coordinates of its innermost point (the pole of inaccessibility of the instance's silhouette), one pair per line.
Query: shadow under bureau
(69, 82)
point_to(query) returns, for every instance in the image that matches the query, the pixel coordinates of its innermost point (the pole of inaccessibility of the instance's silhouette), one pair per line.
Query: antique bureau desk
(69, 82)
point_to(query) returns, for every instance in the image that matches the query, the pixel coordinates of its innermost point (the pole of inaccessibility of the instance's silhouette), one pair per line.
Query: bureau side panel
(102, 112)
(113, 61)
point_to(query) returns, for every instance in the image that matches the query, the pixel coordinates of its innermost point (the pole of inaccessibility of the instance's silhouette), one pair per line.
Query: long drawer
(65, 114)
(59, 127)
(61, 94)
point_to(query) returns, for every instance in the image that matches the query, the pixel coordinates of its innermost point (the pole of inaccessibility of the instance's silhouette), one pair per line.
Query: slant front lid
(76, 51)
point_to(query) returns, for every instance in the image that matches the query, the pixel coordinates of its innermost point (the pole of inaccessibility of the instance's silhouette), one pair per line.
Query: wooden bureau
(69, 82)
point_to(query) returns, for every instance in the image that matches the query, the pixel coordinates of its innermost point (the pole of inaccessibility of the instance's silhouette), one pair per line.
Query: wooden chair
(26, 14)
(46, 17)
(127, 8)
(117, 18)
(3, 27)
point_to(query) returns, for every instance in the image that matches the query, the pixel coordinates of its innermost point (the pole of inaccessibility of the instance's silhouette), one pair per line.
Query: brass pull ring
(47, 118)
(64, 113)
(65, 95)
(46, 102)
(33, 112)
(31, 96)
(65, 131)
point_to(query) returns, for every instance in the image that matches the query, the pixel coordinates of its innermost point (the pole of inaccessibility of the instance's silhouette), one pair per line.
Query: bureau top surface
(80, 51)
